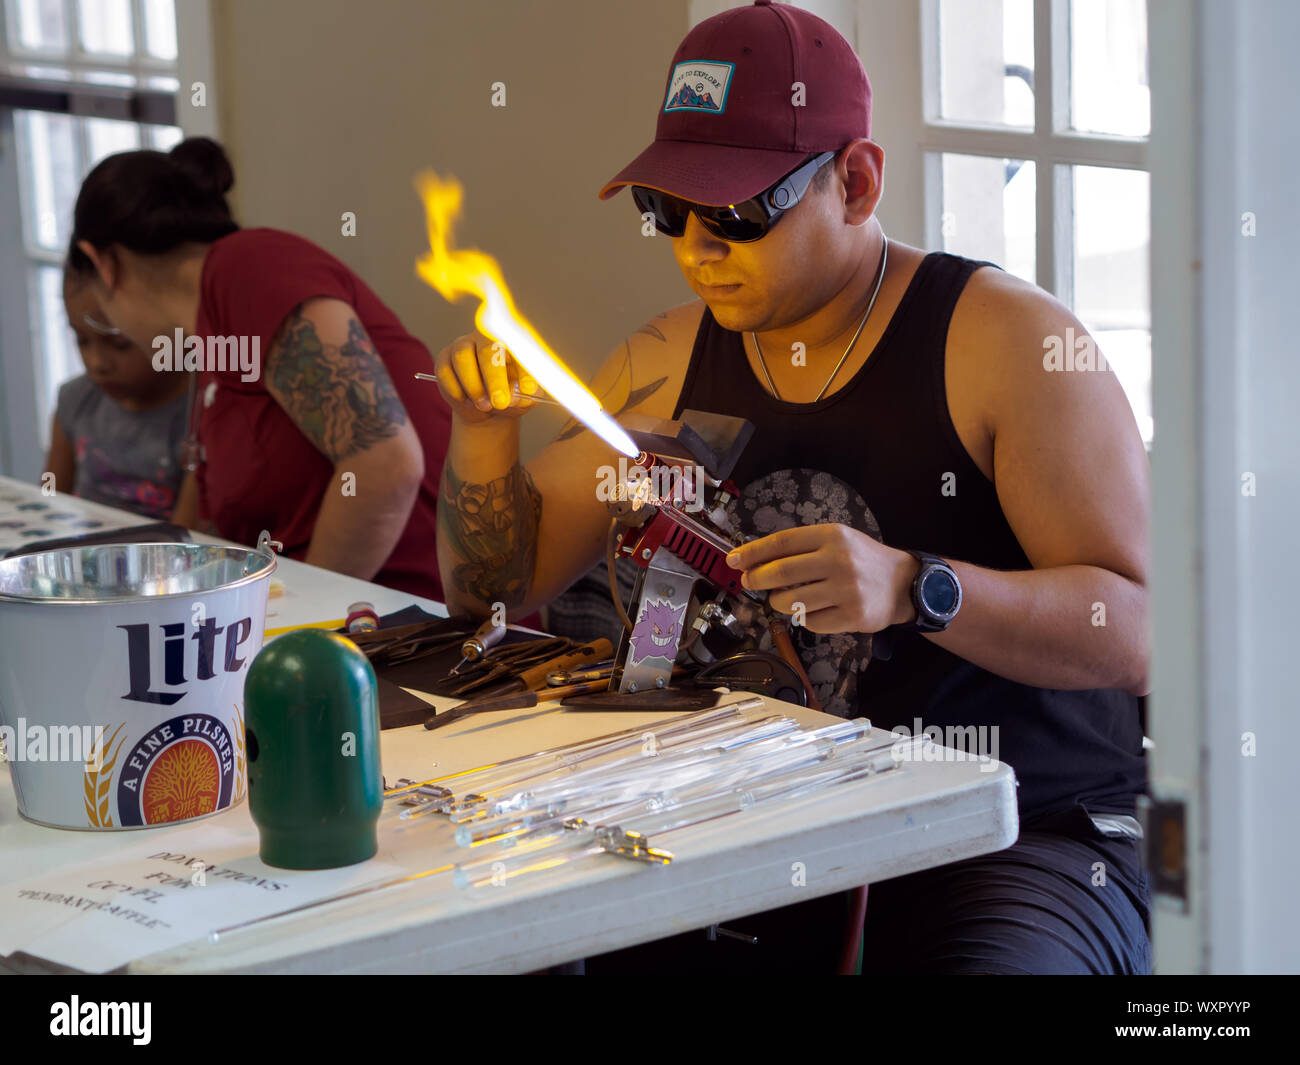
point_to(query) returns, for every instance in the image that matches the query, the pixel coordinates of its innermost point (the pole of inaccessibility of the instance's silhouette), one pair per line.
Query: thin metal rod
(531, 399)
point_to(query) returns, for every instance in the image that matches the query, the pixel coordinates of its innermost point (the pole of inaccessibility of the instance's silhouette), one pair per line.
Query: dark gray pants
(1063, 899)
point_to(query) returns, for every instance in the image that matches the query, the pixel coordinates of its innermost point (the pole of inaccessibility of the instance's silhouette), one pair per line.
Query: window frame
(150, 97)
(77, 57)
(158, 93)
(1052, 146)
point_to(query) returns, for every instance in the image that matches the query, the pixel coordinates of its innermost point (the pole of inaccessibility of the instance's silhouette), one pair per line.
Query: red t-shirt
(260, 471)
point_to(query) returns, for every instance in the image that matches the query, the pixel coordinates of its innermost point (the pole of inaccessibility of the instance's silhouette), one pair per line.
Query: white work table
(923, 814)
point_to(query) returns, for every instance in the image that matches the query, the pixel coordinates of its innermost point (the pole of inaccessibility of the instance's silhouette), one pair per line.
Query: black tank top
(881, 454)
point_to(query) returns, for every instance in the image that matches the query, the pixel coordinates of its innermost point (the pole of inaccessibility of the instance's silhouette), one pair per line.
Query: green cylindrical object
(315, 785)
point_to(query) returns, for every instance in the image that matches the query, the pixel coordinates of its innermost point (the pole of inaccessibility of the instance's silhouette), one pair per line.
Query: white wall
(1251, 154)
(1225, 141)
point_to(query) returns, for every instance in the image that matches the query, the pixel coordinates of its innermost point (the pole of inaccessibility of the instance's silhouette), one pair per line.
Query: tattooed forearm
(621, 392)
(339, 395)
(492, 528)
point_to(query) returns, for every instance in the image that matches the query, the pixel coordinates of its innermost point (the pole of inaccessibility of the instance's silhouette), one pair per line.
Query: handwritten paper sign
(99, 917)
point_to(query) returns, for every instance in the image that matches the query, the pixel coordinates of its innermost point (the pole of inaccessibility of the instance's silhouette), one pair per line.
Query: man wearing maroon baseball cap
(955, 530)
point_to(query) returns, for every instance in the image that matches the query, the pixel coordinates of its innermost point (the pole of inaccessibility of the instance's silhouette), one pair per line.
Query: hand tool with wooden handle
(584, 657)
(533, 678)
(484, 639)
(528, 681)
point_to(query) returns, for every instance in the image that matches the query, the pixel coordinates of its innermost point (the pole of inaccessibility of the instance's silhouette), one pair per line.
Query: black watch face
(939, 592)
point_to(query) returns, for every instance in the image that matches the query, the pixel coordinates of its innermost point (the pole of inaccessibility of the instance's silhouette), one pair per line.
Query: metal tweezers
(406, 643)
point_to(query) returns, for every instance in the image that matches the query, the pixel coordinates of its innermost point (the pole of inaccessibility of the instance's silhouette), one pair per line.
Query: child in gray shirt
(118, 428)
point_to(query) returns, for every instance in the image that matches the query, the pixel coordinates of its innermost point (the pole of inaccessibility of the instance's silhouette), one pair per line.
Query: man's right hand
(480, 380)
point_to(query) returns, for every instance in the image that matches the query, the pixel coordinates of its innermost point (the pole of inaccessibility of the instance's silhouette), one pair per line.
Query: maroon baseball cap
(751, 93)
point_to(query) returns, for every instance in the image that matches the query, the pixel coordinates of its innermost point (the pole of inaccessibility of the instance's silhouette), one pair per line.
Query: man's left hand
(844, 580)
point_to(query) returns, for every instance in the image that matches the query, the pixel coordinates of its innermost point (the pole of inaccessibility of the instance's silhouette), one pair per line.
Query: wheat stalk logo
(99, 779)
(184, 782)
(241, 762)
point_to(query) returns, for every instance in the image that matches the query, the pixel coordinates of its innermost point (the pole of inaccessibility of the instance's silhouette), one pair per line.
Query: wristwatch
(936, 594)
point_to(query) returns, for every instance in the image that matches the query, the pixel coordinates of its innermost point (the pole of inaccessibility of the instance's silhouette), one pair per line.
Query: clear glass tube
(487, 797)
(666, 770)
(558, 849)
(710, 773)
(488, 776)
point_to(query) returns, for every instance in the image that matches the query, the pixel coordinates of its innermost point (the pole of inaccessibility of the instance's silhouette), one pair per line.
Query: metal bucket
(122, 679)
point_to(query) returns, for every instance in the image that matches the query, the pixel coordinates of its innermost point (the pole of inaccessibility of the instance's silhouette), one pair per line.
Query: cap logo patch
(699, 85)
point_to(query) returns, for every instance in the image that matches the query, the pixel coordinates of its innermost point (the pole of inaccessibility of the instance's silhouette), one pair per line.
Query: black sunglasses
(738, 223)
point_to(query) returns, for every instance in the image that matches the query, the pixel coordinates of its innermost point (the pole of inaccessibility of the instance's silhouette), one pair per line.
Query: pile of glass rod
(617, 793)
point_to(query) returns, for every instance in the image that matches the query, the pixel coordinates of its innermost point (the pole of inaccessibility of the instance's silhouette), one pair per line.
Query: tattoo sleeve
(492, 528)
(339, 395)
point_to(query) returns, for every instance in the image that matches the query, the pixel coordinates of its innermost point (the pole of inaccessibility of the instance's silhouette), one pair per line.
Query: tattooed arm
(492, 528)
(520, 535)
(324, 371)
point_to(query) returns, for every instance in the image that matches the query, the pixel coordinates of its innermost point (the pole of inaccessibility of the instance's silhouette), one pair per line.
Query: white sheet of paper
(99, 916)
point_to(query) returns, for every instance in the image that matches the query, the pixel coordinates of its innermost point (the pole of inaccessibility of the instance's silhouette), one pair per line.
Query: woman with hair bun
(307, 418)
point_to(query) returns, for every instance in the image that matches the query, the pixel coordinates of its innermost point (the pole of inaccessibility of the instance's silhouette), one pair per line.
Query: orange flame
(465, 272)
